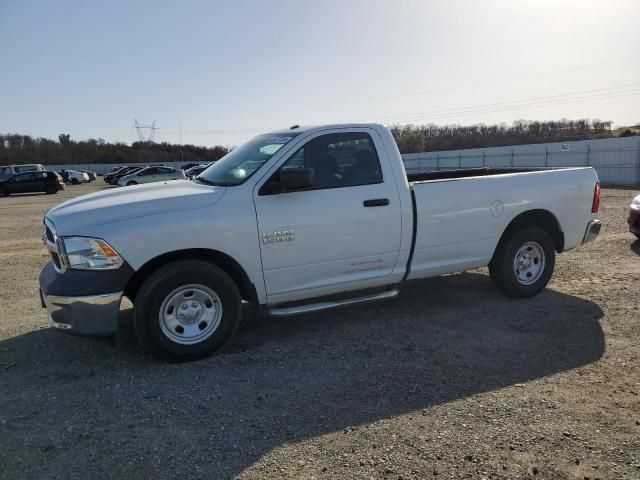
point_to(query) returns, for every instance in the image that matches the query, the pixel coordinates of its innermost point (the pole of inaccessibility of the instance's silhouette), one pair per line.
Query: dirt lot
(452, 380)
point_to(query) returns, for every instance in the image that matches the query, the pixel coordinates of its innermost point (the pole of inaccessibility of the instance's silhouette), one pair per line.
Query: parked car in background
(76, 177)
(92, 175)
(634, 216)
(187, 166)
(64, 174)
(129, 171)
(195, 171)
(32, 181)
(113, 178)
(152, 174)
(8, 171)
(115, 171)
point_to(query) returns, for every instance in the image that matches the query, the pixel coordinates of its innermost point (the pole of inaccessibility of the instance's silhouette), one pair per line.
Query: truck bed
(461, 214)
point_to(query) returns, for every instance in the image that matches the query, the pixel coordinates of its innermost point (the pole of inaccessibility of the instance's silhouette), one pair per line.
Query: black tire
(131, 182)
(74, 181)
(4, 193)
(502, 268)
(160, 285)
(50, 190)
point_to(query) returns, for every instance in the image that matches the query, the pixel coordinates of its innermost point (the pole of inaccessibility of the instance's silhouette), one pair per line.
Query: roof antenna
(294, 127)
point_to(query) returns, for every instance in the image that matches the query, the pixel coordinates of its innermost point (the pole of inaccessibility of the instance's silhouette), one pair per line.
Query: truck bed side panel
(460, 221)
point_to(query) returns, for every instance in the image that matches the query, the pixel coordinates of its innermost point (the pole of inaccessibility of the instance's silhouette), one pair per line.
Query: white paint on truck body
(306, 244)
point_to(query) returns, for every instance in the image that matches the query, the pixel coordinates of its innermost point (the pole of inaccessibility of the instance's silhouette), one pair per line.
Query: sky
(219, 72)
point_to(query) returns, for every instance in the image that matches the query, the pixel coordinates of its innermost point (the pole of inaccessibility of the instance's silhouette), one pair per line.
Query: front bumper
(86, 315)
(84, 302)
(593, 230)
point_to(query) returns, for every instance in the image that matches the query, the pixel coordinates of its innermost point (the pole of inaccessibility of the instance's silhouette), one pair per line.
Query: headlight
(86, 253)
(635, 204)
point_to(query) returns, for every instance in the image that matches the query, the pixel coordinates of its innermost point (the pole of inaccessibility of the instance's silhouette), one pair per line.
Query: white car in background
(76, 177)
(9, 171)
(152, 174)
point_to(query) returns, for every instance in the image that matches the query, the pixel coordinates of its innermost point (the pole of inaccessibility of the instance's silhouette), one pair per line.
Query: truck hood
(77, 216)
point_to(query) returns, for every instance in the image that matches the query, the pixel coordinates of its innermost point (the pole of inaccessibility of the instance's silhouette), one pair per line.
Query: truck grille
(56, 260)
(50, 240)
(49, 234)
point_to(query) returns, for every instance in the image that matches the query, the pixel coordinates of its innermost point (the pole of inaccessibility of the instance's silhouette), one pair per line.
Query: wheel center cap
(524, 262)
(189, 312)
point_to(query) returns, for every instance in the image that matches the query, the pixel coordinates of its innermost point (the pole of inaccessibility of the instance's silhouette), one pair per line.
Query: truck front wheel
(186, 310)
(523, 262)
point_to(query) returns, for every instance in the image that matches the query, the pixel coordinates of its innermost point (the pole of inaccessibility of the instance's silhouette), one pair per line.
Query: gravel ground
(452, 380)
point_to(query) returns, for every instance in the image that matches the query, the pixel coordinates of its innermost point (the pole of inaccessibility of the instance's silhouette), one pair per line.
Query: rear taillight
(595, 206)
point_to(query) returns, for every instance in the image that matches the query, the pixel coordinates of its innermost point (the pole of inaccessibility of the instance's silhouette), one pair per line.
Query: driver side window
(339, 160)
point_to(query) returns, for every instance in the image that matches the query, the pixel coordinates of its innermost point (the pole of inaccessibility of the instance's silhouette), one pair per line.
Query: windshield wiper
(205, 181)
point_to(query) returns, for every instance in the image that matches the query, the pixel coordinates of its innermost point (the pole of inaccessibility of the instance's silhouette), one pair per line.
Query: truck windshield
(242, 162)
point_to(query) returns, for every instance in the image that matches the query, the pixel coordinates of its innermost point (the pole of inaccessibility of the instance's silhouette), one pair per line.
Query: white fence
(617, 160)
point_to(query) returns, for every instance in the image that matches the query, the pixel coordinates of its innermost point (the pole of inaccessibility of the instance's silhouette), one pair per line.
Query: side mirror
(292, 179)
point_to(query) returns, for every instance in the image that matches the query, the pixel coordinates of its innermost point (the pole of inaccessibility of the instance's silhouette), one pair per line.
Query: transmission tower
(145, 132)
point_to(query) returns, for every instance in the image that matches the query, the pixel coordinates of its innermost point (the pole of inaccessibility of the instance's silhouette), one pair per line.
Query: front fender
(228, 227)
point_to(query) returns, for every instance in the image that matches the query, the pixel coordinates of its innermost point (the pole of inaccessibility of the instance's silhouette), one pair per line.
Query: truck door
(342, 233)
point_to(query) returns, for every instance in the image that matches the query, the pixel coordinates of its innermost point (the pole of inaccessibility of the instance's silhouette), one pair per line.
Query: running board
(318, 307)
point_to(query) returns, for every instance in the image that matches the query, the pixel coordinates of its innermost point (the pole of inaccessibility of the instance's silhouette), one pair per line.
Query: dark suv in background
(28, 182)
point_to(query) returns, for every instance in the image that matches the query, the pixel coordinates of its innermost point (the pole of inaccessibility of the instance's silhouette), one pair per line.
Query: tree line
(17, 149)
(431, 138)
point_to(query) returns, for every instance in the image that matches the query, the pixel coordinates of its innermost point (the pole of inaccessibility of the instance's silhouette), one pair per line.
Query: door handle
(376, 202)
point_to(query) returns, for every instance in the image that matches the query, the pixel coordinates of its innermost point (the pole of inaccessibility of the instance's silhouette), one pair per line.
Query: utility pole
(181, 152)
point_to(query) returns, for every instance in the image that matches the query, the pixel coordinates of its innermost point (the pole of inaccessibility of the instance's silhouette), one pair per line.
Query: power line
(508, 105)
(513, 105)
(453, 88)
(474, 85)
(522, 102)
(527, 99)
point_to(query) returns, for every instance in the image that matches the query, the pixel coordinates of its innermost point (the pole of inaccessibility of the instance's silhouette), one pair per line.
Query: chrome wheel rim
(190, 314)
(528, 263)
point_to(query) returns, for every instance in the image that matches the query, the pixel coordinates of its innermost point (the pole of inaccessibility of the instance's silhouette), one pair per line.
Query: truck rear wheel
(186, 310)
(523, 262)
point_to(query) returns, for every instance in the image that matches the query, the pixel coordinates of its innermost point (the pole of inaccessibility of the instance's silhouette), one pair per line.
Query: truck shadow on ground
(87, 409)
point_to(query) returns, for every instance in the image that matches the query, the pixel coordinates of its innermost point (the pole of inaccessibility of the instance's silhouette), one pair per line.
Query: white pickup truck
(296, 221)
